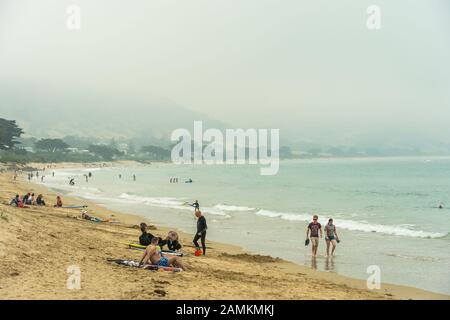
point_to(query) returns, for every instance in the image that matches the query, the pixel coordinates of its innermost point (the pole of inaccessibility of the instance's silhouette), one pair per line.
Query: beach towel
(135, 264)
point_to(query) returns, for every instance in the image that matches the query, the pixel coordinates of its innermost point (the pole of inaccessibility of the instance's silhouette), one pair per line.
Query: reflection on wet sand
(314, 262)
(329, 263)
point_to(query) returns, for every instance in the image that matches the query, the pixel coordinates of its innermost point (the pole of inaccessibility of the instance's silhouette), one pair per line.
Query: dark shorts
(331, 238)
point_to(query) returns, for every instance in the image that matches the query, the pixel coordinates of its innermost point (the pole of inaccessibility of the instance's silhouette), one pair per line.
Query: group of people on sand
(171, 240)
(314, 231)
(30, 199)
(154, 252)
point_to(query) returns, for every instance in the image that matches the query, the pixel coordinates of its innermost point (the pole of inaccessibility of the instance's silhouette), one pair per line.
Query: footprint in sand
(160, 292)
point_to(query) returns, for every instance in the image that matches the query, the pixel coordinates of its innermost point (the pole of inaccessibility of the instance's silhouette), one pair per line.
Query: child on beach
(59, 203)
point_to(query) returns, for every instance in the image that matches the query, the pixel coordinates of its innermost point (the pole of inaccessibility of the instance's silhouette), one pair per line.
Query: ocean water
(385, 210)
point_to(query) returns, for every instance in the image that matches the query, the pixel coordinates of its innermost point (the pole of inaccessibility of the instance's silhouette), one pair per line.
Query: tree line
(57, 150)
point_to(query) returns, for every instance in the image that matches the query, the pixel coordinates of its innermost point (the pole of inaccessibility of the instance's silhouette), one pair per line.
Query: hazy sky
(311, 68)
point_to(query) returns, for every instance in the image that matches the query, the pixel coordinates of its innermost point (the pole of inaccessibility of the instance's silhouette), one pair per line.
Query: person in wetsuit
(196, 205)
(146, 238)
(201, 231)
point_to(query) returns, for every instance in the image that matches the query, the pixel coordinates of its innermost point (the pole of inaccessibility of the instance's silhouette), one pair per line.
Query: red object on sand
(198, 253)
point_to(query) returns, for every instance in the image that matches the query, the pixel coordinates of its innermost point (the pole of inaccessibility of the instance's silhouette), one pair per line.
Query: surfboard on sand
(74, 207)
(135, 264)
(141, 247)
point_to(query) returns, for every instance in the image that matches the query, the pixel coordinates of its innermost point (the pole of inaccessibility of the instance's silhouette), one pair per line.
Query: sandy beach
(39, 244)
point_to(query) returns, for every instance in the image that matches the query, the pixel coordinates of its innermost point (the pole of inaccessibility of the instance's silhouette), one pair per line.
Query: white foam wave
(158, 201)
(396, 230)
(226, 207)
(169, 202)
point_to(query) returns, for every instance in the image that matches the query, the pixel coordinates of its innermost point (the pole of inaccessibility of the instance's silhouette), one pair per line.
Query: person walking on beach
(201, 231)
(331, 236)
(312, 234)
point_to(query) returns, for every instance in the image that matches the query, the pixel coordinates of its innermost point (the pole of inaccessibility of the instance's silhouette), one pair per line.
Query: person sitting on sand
(59, 203)
(16, 201)
(313, 229)
(172, 241)
(25, 198)
(30, 199)
(154, 254)
(331, 236)
(40, 200)
(86, 216)
(145, 238)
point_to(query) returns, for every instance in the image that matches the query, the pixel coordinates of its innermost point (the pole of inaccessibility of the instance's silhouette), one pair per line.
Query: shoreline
(233, 264)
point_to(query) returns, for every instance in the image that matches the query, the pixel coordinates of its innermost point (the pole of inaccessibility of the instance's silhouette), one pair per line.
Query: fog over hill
(90, 114)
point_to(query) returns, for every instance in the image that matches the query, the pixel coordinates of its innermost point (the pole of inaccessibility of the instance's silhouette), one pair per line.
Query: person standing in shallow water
(196, 205)
(201, 231)
(331, 237)
(312, 233)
